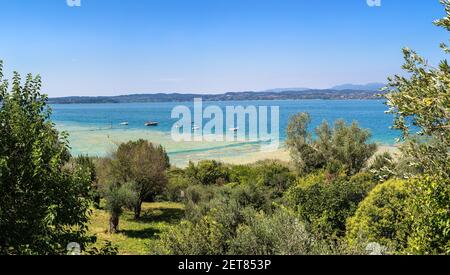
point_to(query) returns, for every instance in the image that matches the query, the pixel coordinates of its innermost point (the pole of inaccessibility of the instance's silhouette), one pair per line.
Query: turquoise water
(95, 128)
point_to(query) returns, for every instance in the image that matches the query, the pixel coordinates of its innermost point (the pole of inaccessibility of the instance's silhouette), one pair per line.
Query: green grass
(136, 236)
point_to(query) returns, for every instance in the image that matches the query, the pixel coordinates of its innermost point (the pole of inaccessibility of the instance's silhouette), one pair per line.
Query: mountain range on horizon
(346, 91)
(367, 87)
(375, 86)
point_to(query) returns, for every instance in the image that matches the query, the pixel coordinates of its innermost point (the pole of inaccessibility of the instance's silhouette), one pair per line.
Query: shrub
(383, 167)
(325, 205)
(202, 238)
(249, 195)
(207, 172)
(275, 176)
(255, 233)
(382, 218)
(177, 185)
(278, 234)
(429, 206)
(199, 201)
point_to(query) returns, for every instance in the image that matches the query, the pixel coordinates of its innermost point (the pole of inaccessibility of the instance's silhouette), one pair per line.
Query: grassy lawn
(135, 237)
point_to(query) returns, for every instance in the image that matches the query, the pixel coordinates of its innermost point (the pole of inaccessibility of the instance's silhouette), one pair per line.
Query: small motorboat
(151, 124)
(124, 123)
(234, 129)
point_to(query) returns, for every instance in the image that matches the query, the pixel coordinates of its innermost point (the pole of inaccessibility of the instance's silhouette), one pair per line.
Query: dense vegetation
(335, 197)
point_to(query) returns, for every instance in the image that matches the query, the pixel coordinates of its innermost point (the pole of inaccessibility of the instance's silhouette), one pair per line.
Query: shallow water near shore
(95, 129)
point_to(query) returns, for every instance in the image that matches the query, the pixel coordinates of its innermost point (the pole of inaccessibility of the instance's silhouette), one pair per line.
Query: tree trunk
(113, 224)
(138, 210)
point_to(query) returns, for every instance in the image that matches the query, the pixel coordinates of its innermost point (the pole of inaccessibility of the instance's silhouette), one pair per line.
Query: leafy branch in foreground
(44, 206)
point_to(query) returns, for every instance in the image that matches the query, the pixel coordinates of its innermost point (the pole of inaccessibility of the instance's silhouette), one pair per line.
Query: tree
(342, 146)
(300, 144)
(43, 205)
(144, 166)
(421, 98)
(88, 163)
(117, 197)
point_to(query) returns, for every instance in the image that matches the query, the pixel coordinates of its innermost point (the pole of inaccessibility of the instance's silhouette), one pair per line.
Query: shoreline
(89, 141)
(281, 154)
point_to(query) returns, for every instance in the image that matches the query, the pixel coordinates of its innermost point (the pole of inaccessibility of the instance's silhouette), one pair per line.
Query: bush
(325, 205)
(383, 167)
(249, 195)
(207, 172)
(278, 234)
(382, 218)
(177, 185)
(429, 206)
(275, 176)
(202, 238)
(199, 201)
(271, 177)
(256, 233)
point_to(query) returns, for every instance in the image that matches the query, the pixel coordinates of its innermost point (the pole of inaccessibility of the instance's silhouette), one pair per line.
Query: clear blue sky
(111, 47)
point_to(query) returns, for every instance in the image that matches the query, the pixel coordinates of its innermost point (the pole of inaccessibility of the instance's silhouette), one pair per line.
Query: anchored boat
(151, 123)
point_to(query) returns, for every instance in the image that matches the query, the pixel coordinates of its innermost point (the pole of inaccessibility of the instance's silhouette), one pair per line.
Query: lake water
(95, 128)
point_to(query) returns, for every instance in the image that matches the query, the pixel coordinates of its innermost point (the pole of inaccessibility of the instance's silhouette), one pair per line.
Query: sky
(114, 47)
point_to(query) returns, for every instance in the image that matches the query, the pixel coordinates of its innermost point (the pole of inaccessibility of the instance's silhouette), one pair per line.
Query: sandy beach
(283, 155)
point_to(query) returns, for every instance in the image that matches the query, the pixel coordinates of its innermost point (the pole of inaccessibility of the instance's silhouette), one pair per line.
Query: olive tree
(143, 165)
(342, 146)
(117, 196)
(421, 98)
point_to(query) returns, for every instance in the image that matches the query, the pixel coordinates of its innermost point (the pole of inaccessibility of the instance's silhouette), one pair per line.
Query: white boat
(234, 129)
(124, 123)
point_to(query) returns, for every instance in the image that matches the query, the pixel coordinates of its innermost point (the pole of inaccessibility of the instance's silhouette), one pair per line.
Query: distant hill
(363, 87)
(279, 94)
(277, 90)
